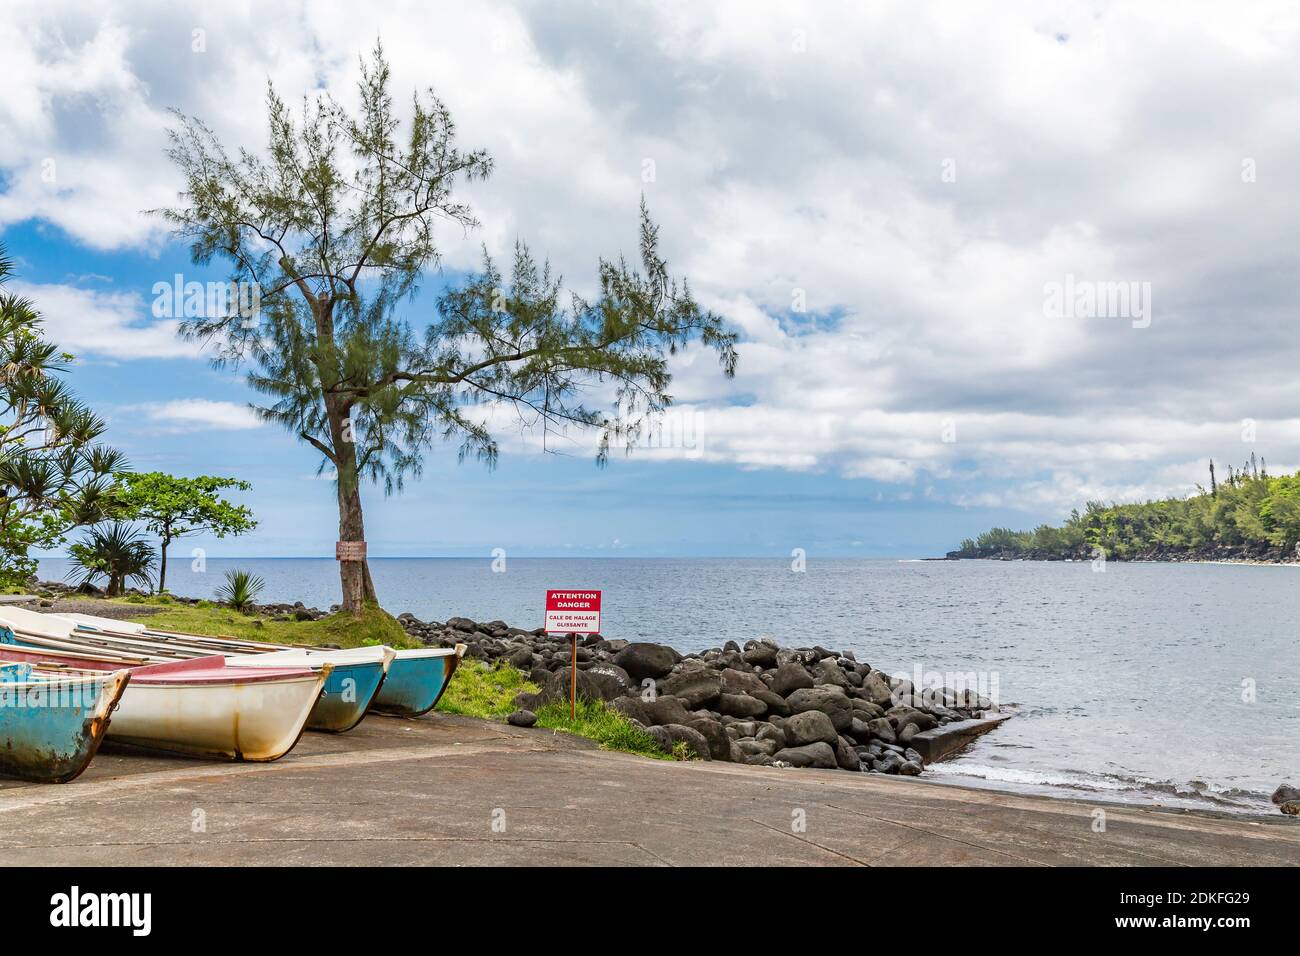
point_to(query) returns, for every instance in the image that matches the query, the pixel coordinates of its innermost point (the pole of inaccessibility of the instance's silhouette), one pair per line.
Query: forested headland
(1248, 515)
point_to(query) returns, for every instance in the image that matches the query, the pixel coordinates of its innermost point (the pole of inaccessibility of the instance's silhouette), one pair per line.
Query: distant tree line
(1247, 514)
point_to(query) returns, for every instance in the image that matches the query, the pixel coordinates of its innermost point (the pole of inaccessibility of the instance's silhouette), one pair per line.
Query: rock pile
(758, 704)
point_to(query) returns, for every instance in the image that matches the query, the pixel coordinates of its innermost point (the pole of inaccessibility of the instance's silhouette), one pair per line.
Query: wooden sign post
(573, 612)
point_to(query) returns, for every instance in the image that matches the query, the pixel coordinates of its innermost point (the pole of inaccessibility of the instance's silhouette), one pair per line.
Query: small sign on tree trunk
(349, 551)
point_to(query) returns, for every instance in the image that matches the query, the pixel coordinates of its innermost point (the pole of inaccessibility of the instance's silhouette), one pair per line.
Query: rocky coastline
(759, 704)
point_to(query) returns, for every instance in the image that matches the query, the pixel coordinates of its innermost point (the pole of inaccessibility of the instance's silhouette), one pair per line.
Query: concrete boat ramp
(452, 790)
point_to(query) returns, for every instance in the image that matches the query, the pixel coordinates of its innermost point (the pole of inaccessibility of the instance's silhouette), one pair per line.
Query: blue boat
(51, 722)
(416, 680)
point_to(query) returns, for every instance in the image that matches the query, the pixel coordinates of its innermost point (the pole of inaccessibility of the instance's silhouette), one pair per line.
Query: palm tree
(118, 552)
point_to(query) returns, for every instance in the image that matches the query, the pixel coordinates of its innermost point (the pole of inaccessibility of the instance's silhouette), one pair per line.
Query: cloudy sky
(883, 198)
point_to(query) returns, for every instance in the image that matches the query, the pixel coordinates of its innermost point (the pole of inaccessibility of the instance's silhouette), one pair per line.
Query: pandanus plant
(117, 552)
(241, 589)
(54, 476)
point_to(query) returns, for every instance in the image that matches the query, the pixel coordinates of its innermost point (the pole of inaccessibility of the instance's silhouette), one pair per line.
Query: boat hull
(416, 683)
(358, 674)
(200, 707)
(249, 721)
(348, 693)
(50, 729)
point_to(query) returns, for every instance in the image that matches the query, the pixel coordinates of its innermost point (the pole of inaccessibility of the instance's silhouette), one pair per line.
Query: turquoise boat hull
(415, 684)
(349, 691)
(51, 727)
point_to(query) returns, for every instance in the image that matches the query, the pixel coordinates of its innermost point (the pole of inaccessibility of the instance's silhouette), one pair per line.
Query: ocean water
(1176, 684)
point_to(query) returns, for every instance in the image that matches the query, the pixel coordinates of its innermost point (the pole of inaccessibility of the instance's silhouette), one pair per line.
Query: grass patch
(602, 724)
(477, 690)
(374, 626)
(488, 691)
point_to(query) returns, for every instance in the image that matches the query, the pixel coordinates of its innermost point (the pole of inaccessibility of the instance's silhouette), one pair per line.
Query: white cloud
(1104, 141)
(195, 414)
(101, 324)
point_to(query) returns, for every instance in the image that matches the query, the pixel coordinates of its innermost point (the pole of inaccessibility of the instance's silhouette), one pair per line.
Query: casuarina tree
(333, 226)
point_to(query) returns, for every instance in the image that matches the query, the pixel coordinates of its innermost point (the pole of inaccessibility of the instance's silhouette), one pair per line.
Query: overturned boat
(200, 707)
(52, 722)
(350, 687)
(415, 681)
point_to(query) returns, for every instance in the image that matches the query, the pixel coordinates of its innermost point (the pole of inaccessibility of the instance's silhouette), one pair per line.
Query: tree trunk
(162, 564)
(358, 589)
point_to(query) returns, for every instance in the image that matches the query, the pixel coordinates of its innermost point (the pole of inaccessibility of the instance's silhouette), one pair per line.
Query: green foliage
(488, 691)
(603, 724)
(173, 507)
(334, 225)
(372, 626)
(54, 476)
(241, 589)
(479, 690)
(117, 552)
(1250, 511)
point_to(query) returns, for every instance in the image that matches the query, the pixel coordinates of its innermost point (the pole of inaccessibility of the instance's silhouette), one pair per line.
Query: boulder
(589, 687)
(749, 747)
(818, 754)
(775, 703)
(759, 653)
(826, 671)
(845, 756)
(909, 715)
(1287, 799)
(790, 677)
(876, 689)
(662, 738)
(882, 729)
(632, 708)
(696, 686)
(866, 709)
(642, 660)
(694, 740)
(614, 681)
(809, 727)
(741, 705)
(740, 682)
(859, 730)
(521, 657)
(829, 700)
(716, 736)
(773, 733)
(522, 718)
(525, 700)
(666, 710)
